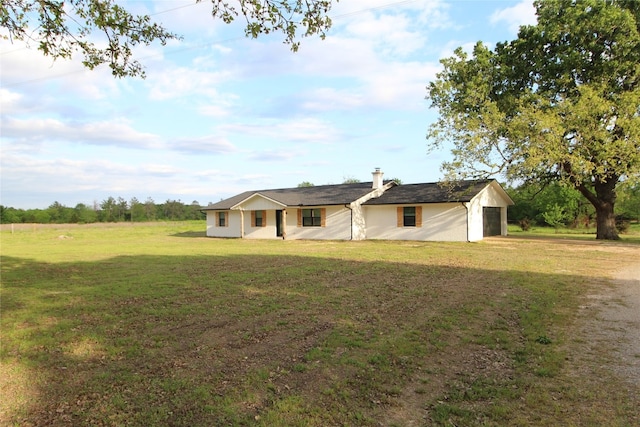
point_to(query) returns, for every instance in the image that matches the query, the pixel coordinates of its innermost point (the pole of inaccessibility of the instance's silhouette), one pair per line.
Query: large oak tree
(560, 103)
(104, 31)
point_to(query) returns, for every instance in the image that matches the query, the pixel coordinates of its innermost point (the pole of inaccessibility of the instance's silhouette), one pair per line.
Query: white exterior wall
(358, 221)
(266, 232)
(476, 221)
(359, 224)
(337, 225)
(260, 204)
(440, 222)
(488, 197)
(232, 230)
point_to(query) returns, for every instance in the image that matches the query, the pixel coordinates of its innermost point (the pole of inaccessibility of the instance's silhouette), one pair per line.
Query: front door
(492, 224)
(279, 223)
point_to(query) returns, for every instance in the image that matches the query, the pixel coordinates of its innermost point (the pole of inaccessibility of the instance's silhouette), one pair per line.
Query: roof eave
(257, 194)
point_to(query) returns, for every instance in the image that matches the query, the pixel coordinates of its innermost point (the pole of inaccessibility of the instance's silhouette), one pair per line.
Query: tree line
(561, 205)
(554, 205)
(109, 210)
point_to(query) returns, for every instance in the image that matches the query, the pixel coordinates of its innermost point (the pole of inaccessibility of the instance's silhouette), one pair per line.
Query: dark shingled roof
(433, 192)
(319, 195)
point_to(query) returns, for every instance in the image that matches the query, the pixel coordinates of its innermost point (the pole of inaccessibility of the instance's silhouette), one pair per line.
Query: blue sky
(219, 114)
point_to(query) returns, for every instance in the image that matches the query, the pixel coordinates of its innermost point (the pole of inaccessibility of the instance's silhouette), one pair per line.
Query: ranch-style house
(464, 211)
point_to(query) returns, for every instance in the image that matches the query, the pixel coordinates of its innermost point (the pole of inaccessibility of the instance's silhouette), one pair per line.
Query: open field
(157, 325)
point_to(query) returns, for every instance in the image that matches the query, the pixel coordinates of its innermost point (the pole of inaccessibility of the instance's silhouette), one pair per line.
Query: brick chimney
(377, 179)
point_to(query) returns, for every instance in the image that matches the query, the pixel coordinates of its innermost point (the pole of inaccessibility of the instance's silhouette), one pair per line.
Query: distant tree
(55, 211)
(555, 215)
(532, 200)
(150, 210)
(194, 211)
(109, 210)
(137, 210)
(85, 214)
(59, 213)
(559, 103)
(396, 180)
(350, 180)
(629, 201)
(105, 32)
(305, 184)
(10, 215)
(173, 210)
(41, 216)
(122, 209)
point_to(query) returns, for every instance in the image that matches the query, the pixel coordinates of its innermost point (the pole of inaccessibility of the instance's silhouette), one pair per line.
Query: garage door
(492, 225)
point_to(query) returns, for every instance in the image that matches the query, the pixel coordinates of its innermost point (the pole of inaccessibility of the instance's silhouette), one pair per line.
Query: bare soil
(614, 323)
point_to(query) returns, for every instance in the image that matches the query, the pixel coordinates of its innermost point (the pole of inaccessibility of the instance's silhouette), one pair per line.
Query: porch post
(242, 223)
(284, 224)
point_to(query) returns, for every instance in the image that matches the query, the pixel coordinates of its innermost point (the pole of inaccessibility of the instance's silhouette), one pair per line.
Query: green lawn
(109, 325)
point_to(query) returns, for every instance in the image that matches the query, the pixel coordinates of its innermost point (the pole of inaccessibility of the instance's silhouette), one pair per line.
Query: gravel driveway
(622, 317)
(615, 326)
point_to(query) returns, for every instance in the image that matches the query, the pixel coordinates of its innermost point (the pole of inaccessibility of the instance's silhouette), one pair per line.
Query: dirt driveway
(612, 322)
(622, 317)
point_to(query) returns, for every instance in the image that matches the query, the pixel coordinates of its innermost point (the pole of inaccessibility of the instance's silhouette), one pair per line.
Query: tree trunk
(603, 201)
(606, 222)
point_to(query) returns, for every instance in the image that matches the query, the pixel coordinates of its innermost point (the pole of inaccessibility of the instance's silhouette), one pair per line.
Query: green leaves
(268, 16)
(104, 32)
(100, 30)
(562, 101)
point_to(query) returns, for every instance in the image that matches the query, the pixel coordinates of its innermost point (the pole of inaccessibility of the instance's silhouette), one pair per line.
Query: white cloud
(160, 170)
(521, 14)
(433, 11)
(10, 101)
(298, 129)
(182, 82)
(401, 85)
(184, 17)
(116, 132)
(391, 33)
(281, 155)
(332, 99)
(216, 109)
(83, 181)
(212, 110)
(28, 70)
(203, 145)
(220, 107)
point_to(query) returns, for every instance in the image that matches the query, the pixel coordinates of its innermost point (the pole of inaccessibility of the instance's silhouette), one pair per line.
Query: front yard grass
(158, 325)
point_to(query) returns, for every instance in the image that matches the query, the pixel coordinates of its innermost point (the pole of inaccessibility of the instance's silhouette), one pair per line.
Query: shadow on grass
(274, 340)
(190, 234)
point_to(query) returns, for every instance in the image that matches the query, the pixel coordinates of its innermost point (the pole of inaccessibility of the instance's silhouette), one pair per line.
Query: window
(222, 219)
(312, 217)
(258, 218)
(410, 216)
